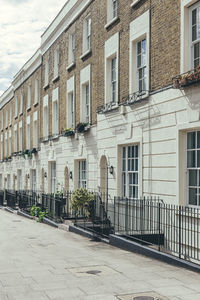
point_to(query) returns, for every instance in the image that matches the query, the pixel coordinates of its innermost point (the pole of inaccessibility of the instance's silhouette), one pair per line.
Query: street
(43, 263)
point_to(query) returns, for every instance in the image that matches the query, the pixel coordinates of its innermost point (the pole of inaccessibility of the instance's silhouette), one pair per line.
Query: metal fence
(97, 221)
(170, 228)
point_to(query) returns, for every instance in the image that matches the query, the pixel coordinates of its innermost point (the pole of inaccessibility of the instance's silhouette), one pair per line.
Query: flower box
(69, 132)
(82, 127)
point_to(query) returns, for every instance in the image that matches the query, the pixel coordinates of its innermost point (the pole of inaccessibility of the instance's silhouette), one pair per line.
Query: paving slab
(39, 262)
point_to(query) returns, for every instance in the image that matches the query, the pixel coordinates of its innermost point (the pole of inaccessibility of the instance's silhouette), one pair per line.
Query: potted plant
(81, 200)
(82, 127)
(69, 132)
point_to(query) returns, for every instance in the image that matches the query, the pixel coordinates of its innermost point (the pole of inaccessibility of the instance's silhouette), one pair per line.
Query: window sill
(134, 3)
(46, 86)
(44, 139)
(55, 79)
(71, 66)
(111, 22)
(55, 136)
(86, 54)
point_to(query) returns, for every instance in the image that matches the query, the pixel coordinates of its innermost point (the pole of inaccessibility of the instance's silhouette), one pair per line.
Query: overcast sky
(22, 23)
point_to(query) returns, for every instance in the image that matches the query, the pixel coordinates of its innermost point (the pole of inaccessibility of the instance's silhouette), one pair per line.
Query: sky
(22, 23)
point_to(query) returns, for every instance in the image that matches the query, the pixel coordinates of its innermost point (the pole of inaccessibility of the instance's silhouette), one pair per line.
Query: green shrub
(81, 199)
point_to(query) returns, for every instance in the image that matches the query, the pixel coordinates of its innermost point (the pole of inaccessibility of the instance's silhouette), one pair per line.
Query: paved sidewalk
(38, 262)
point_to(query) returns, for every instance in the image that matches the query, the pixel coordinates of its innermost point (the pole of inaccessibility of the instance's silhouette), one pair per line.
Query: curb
(85, 233)
(23, 214)
(49, 222)
(128, 245)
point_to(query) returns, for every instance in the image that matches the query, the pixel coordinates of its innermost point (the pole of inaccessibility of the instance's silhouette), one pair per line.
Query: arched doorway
(103, 178)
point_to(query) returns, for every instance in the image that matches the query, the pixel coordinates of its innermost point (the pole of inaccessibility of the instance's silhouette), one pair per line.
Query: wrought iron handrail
(135, 97)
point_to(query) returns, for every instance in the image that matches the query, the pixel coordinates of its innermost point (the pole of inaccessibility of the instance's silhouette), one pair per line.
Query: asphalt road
(38, 262)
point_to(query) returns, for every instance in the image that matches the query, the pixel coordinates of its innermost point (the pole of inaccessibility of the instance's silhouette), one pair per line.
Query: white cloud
(22, 23)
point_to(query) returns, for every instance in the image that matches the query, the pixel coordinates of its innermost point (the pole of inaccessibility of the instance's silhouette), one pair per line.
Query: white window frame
(28, 132)
(35, 130)
(130, 167)
(36, 96)
(70, 111)
(1, 120)
(6, 145)
(20, 136)
(112, 11)
(10, 115)
(46, 74)
(6, 118)
(141, 66)
(33, 180)
(85, 108)
(195, 168)
(72, 49)
(87, 35)
(16, 107)
(15, 138)
(56, 64)
(21, 104)
(45, 116)
(29, 97)
(10, 143)
(82, 173)
(53, 177)
(19, 179)
(1, 146)
(111, 52)
(139, 30)
(55, 111)
(185, 35)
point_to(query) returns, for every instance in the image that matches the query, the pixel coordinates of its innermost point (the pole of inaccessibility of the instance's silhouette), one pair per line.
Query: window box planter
(82, 127)
(31, 152)
(24, 153)
(187, 78)
(69, 132)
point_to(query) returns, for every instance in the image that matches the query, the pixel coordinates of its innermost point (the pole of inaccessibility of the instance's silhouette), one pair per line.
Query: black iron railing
(173, 229)
(98, 222)
(135, 97)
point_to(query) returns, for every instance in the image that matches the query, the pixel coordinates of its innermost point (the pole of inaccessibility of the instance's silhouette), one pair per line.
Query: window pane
(198, 158)
(144, 52)
(198, 22)
(193, 196)
(191, 140)
(193, 177)
(191, 163)
(198, 139)
(124, 152)
(194, 17)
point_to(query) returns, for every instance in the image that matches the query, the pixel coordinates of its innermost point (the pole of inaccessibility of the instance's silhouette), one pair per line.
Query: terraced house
(102, 104)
